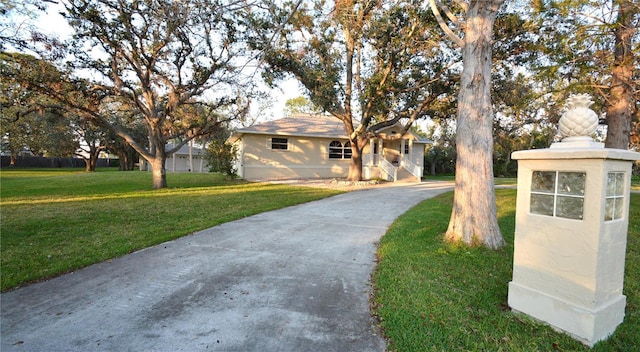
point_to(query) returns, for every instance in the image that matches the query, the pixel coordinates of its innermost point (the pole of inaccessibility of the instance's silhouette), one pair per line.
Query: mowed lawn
(57, 220)
(431, 296)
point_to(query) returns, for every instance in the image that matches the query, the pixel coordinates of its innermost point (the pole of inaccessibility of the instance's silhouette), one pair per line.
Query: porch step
(406, 176)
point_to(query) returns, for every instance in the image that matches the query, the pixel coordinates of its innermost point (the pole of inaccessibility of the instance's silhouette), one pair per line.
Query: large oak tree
(30, 120)
(473, 218)
(163, 60)
(369, 63)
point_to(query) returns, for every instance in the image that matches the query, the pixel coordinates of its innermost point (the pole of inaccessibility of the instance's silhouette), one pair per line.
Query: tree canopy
(175, 67)
(154, 72)
(300, 105)
(370, 64)
(590, 46)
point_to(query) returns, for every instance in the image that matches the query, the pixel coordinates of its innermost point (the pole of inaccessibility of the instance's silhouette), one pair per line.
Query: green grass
(431, 296)
(55, 221)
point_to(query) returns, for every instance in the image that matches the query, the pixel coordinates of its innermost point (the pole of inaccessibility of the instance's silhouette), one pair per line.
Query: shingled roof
(302, 125)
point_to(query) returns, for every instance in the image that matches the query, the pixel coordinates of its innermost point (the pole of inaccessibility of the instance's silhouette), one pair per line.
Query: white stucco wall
(306, 157)
(569, 272)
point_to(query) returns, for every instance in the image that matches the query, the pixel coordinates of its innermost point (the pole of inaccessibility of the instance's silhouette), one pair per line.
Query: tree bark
(91, 161)
(88, 164)
(157, 156)
(620, 104)
(474, 216)
(355, 166)
(158, 172)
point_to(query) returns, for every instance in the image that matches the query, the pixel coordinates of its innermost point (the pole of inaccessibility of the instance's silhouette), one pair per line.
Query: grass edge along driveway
(432, 296)
(57, 221)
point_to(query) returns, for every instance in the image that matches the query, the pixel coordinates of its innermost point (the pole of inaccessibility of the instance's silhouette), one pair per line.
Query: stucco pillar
(571, 235)
(372, 142)
(403, 143)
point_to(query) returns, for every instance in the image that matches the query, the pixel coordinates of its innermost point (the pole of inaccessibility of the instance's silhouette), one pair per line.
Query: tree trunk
(158, 172)
(93, 162)
(87, 164)
(157, 158)
(634, 139)
(355, 166)
(123, 162)
(620, 104)
(473, 217)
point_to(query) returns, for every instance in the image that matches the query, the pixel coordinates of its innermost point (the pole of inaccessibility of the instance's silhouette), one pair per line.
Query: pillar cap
(573, 152)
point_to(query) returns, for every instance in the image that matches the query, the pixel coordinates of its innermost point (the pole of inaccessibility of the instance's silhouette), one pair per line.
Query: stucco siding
(180, 163)
(417, 156)
(305, 157)
(301, 149)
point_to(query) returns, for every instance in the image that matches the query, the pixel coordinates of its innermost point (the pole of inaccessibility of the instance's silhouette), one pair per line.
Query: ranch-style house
(316, 146)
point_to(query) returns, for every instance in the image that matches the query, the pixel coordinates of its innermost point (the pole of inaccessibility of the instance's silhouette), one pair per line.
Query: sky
(52, 23)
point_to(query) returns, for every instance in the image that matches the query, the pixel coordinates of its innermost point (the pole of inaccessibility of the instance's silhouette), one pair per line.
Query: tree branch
(454, 37)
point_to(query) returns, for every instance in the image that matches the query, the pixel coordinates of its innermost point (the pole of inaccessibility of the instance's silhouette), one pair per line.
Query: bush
(221, 157)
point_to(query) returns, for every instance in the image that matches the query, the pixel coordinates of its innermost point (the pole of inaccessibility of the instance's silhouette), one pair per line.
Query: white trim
(269, 144)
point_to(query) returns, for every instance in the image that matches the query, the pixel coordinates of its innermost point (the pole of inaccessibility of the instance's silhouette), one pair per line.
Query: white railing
(412, 168)
(389, 171)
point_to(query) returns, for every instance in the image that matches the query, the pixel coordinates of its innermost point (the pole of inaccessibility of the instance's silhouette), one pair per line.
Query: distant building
(189, 158)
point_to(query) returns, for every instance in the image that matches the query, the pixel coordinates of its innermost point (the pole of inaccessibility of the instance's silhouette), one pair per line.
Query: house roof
(300, 125)
(304, 125)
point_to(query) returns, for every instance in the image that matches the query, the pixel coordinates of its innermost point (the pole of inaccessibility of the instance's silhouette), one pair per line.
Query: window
(338, 151)
(406, 147)
(614, 197)
(335, 150)
(347, 150)
(558, 194)
(279, 143)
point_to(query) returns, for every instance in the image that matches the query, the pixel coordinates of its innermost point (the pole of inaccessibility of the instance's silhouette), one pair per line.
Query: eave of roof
(322, 126)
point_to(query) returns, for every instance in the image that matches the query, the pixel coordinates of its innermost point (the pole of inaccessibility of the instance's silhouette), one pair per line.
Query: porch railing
(412, 168)
(389, 171)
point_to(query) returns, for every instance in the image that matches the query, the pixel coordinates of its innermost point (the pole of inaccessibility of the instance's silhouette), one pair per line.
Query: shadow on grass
(433, 296)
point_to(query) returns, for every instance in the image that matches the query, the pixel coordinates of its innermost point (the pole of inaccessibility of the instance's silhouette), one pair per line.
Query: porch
(393, 160)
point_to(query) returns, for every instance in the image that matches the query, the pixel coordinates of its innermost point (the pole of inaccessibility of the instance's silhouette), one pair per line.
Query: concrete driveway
(295, 279)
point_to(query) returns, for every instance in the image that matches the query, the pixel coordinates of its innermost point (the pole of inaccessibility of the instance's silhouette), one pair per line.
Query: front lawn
(55, 221)
(430, 296)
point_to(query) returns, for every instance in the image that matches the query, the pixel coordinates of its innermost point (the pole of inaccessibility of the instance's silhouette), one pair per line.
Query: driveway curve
(294, 279)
